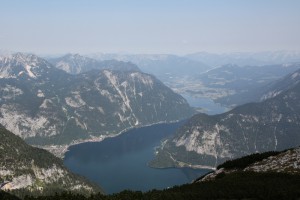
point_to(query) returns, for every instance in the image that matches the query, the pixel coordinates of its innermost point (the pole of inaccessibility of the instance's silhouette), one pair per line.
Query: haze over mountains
(233, 85)
(211, 59)
(230, 85)
(139, 97)
(47, 106)
(255, 127)
(57, 102)
(247, 58)
(221, 77)
(75, 64)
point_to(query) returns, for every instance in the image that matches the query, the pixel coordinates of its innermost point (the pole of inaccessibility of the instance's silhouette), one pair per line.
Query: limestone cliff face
(256, 127)
(33, 169)
(47, 106)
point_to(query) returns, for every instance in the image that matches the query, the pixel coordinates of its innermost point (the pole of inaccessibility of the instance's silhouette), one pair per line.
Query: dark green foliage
(58, 196)
(7, 196)
(17, 156)
(245, 161)
(15, 150)
(201, 177)
(162, 161)
(239, 185)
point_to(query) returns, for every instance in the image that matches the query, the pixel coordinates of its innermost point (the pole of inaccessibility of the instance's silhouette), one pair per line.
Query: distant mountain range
(280, 86)
(209, 59)
(47, 106)
(206, 141)
(75, 64)
(246, 58)
(230, 79)
(159, 64)
(28, 170)
(174, 71)
(233, 85)
(78, 99)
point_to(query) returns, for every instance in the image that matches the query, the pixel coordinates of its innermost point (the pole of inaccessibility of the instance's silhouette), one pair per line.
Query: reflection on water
(121, 163)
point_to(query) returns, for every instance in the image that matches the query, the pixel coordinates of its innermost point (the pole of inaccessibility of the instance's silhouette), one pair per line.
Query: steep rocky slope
(30, 169)
(280, 86)
(234, 85)
(287, 162)
(206, 141)
(53, 109)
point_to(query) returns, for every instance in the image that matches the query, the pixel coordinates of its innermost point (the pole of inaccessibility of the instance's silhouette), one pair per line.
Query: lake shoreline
(60, 150)
(186, 166)
(121, 162)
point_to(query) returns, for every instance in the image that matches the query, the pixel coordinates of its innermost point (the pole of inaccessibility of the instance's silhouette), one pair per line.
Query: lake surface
(121, 162)
(208, 105)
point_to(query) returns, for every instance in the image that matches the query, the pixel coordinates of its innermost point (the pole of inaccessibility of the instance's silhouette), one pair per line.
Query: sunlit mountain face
(47, 106)
(149, 100)
(270, 125)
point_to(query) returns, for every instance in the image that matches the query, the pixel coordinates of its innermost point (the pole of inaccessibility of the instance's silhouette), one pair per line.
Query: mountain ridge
(247, 58)
(57, 108)
(75, 64)
(254, 127)
(31, 170)
(286, 161)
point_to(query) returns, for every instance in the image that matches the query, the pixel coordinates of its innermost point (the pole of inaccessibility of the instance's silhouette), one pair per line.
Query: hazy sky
(149, 26)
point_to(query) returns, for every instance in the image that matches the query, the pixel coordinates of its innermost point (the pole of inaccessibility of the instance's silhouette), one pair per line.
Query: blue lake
(208, 105)
(121, 162)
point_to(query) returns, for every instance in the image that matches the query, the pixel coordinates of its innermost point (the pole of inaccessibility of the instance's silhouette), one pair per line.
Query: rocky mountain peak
(47, 106)
(75, 64)
(20, 64)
